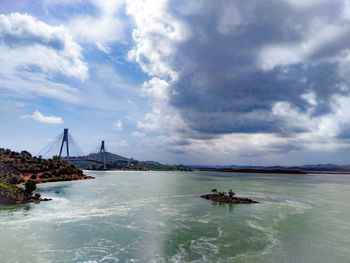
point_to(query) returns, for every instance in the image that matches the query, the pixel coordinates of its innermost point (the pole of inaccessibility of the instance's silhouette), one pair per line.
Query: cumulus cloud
(117, 125)
(156, 36)
(277, 69)
(38, 116)
(33, 53)
(102, 29)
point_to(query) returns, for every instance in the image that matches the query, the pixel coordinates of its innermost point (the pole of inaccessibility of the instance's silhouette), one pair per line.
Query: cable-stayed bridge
(66, 148)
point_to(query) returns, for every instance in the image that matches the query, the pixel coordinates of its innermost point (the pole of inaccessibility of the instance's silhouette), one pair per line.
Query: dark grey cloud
(175, 151)
(223, 89)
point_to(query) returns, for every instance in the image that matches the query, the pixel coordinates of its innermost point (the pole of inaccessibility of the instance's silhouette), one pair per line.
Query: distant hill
(321, 168)
(110, 157)
(93, 161)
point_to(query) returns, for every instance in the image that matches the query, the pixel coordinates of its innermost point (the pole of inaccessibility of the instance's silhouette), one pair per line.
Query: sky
(259, 82)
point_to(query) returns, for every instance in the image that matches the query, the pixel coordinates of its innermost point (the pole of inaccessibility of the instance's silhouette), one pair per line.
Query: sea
(154, 216)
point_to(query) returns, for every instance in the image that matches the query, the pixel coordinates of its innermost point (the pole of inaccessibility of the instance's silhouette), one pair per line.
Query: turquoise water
(158, 217)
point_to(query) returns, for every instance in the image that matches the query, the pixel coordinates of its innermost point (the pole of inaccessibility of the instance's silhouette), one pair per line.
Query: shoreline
(70, 177)
(328, 172)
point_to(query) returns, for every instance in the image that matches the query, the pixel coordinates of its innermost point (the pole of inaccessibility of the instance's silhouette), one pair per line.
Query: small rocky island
(223, 197)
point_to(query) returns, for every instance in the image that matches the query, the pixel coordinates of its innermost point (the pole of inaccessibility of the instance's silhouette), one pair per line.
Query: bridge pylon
(103, 154)
(65, 140)
(57, 147)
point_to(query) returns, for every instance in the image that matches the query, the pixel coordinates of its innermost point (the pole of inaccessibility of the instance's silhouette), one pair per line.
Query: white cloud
(310, 97)
(156, 88)
(27, 41)
(321, 131)
(117, 125)
(105, 28)
(33, 53)
(38, 116)
(104, 48)
(304, 4)
(155, 35)
(29, 85)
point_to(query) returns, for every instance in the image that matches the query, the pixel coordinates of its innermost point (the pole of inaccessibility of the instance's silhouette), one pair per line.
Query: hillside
(114, 161)
(19, 173)
(110, 157)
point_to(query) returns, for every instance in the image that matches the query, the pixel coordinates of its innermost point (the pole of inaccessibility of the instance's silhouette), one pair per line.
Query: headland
(20, 172)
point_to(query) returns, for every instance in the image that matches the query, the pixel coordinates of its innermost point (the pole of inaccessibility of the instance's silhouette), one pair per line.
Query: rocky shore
(223, 197)
(6, 200)
(17, 194)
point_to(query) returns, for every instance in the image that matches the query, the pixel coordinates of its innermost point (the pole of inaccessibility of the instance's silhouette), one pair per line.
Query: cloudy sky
(186, 81)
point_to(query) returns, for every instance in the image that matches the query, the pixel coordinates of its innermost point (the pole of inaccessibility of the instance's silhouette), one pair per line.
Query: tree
(231, 193)
(26, 154)
(30, 186)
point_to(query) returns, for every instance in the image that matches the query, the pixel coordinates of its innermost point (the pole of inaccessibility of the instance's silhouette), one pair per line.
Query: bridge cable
(75, 146)
(50, 146)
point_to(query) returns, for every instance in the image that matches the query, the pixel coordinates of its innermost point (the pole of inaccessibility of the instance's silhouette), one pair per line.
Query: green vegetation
(5, 186)
(21, 168)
